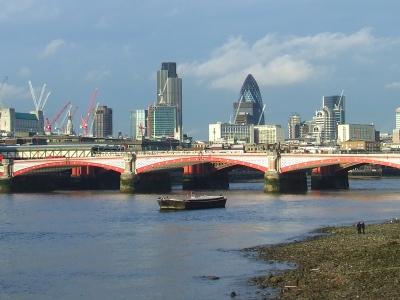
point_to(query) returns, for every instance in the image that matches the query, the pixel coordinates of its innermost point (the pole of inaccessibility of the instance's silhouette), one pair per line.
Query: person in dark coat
(362, 227)
(359, 227)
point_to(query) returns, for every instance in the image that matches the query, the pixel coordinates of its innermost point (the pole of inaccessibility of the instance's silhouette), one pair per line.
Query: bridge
(283, 171)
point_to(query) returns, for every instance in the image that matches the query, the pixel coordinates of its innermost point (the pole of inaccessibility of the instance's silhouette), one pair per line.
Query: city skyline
(318, 50)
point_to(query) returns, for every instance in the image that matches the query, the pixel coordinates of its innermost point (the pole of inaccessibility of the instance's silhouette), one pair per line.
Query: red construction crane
(85, 122)
(142, 128)
(49, 124)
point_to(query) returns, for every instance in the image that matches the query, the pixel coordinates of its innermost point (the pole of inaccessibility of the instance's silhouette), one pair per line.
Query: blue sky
(298, 52)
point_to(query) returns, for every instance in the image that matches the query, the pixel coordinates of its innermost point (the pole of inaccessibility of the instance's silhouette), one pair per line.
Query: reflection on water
(104, 245)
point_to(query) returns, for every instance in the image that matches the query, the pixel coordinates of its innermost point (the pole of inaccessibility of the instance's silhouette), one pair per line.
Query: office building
(139, 123)
(268, 134)
(324, 130)
(231, 133)
(162, 121)
(249, 109)
(169, 91)
(294, 126)
(337, 105)
(102, 122)
(356, 132)
(21, 123)
(397, 118)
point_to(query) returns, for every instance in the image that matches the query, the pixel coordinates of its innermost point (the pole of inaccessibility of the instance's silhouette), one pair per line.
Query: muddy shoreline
(336, 262)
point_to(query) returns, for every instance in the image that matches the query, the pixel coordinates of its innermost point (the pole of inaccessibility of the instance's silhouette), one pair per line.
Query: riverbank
(337, 263)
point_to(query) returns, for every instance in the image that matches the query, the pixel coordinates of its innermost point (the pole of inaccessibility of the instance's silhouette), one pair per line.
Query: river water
(107, 245)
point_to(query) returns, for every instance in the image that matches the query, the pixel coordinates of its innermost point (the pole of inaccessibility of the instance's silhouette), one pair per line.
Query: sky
(298, 51)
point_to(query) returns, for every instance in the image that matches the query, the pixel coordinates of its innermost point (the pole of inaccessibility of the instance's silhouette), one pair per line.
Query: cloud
(10, 94)
(53, 47)
(278, 61)
(12, 8)
(27, 10)
(393, 85)
(97, 75)
(24, 72)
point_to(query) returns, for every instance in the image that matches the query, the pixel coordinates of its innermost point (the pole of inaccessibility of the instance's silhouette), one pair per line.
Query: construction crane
(262, 112)
(142, 128)
(61, 126)
(1, 87)
(237, 109)
(49, 124)
(86, 120)
(38, 102)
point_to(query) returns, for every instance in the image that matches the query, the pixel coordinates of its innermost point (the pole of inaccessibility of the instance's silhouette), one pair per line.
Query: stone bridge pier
(6, 179)
(144, 182)
(276, 182)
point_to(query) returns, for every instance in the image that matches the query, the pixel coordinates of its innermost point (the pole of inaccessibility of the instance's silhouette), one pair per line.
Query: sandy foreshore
(337, 263)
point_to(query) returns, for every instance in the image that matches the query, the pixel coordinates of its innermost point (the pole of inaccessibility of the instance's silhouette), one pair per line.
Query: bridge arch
(65, 163)
(181, 162)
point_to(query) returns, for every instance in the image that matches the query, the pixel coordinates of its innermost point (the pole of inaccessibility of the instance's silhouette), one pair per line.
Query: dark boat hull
(187, 204)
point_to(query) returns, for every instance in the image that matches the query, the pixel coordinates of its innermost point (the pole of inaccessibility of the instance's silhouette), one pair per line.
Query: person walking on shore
(362, 227)
(359, 227)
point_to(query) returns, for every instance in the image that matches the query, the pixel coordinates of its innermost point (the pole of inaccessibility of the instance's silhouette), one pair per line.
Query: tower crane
(63, 120)
(49, 124)
(1, 87)
(85, 121)
(262, 112)
(38, 102)
(142, 128)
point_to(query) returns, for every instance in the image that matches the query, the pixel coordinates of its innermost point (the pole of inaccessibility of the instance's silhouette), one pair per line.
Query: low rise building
(360, 146)
(19, 123)
(356, 132)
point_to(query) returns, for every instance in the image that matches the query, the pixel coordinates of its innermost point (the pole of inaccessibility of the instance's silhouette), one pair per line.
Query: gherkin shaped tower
(249, 109)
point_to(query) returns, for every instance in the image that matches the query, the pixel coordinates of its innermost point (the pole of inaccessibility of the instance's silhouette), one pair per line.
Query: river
(108, 245)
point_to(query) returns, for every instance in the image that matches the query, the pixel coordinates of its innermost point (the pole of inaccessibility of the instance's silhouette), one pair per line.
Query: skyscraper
(294, 126)
(249, 109)
(337, 105)
(169, 91)
(397, 118)
(162, 121)
(139, 123)
(102, 122)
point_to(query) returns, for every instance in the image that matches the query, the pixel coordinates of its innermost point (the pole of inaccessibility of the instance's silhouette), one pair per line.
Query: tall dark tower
(249, 109)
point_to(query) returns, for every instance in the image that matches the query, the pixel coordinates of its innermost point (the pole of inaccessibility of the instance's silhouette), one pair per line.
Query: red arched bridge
(144, 162)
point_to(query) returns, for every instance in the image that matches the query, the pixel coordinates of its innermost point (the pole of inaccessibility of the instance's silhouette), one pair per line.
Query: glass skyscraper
(337, 105)
(169, 92)
(249, 109)
(138, 123)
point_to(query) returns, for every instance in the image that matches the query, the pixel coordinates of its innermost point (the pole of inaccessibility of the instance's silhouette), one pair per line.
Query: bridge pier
(324, 178)
(144, 182)
(285, 182)
(6, 180)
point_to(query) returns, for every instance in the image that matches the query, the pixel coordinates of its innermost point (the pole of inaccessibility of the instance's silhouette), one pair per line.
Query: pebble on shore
(337, 263)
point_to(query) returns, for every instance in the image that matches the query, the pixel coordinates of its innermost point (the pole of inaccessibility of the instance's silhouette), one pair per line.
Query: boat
(193, 202)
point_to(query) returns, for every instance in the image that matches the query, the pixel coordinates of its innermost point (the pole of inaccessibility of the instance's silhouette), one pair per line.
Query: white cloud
(53, 47)
(24, 72)
(10, 94)
(27, 10)
(97, 75)
(12, 8)
(277, 61)
(394, 85)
